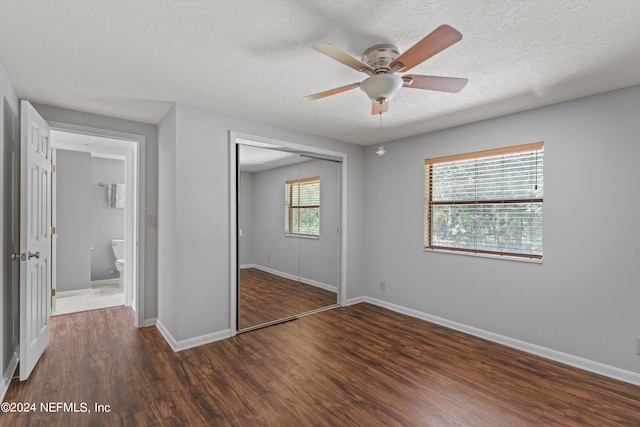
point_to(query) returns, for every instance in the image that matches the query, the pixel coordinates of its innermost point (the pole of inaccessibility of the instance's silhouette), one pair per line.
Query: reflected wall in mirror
(288, 237)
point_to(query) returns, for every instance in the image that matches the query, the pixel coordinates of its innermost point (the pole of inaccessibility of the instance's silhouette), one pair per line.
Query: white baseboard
(8, 375)
(150, 322)
(567, 359)
(105, 282)
(311, 282)
(191, 342)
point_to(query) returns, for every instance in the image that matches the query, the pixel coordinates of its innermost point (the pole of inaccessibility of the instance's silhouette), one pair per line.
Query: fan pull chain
(381, 149)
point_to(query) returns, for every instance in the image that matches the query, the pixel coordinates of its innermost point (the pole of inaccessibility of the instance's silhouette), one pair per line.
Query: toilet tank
(118, 248)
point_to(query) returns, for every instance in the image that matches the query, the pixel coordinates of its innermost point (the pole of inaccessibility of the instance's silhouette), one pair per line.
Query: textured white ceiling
(253, 59)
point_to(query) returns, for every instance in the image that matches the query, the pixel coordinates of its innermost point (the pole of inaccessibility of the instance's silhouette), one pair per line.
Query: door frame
(54, 243)
(136, 219)
(9, 268)
(237, 138)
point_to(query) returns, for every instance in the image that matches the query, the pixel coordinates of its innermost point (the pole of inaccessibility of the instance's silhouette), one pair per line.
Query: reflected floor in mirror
(265, 297)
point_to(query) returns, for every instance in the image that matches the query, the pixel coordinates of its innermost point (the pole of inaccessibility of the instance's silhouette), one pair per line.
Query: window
(487, 202)
(303, 207)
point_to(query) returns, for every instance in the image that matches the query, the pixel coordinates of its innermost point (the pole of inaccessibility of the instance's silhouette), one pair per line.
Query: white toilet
(118, 252)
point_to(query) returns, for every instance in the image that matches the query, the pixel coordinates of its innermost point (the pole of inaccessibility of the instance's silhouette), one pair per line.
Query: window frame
(290, 208)
(429, 204)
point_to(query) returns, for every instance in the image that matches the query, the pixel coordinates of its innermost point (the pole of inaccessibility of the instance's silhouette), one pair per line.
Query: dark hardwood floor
(355, 366)
(265, 297)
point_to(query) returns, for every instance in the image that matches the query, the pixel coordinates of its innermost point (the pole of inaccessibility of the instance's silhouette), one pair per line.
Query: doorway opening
(95, 211)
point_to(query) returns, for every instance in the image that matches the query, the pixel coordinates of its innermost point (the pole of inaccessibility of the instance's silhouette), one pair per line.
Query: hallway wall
(73, 220)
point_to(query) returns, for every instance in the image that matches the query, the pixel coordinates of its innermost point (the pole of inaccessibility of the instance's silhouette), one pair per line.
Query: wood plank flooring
(356, 366)
(265, 297)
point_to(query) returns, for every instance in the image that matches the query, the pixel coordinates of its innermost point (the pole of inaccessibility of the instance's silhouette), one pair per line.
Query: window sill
(482, 255)
(303, 236)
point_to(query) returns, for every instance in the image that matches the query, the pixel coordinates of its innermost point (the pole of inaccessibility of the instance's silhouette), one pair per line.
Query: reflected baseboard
(311, 282)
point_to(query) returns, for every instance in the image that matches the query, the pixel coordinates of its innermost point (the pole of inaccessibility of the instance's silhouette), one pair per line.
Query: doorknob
(36, 255)
(14, 256)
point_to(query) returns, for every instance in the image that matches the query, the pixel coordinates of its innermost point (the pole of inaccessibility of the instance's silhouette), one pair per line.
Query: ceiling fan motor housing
(380, 56)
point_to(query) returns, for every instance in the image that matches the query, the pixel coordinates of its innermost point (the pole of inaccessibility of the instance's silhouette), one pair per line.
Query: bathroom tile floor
(88, 299)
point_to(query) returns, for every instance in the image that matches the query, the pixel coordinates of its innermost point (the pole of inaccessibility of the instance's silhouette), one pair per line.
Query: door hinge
(53, 292)
(53, 168)
(53, 230)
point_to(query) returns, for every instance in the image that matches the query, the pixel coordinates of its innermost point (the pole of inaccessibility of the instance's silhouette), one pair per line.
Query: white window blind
(486, 202)
(302, 213)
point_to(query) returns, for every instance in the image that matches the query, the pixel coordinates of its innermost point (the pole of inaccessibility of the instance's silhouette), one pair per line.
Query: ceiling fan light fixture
(381, 87)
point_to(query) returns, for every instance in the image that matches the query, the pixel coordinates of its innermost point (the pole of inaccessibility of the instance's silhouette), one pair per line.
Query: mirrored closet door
(288, 235)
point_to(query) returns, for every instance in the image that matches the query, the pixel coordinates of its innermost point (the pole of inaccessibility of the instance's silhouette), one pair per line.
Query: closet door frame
(236, 138)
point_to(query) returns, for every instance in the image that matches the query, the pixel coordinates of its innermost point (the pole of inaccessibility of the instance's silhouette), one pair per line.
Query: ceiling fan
(382, 62)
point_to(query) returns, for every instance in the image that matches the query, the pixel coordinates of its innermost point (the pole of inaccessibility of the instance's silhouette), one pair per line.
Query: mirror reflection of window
(302, 213)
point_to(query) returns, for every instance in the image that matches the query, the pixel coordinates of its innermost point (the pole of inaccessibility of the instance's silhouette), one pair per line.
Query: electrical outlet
(638, 346)
(383, 286)
(268, 259)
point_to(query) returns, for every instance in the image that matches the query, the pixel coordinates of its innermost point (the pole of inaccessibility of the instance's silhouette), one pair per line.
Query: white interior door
(35, 238)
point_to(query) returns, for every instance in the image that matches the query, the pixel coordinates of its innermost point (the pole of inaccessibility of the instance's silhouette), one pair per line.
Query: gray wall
(73, 222)
(313, 259)
(583, 299)
(246, 218)
(9, 232)
(150, 132)
(106, 223)
(197, 140)
(167, 253)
